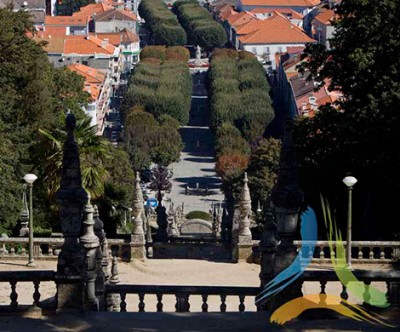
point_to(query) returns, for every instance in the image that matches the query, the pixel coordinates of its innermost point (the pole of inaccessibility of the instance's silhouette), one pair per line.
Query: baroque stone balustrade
(182, 294)
(362, 251)
(15, 277)
(391, 278)
(49, 248)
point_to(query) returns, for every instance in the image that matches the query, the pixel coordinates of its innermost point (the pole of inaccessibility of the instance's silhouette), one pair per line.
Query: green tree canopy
(360, 134)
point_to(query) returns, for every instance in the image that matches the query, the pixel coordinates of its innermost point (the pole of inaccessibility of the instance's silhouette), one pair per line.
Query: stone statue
(198, 53)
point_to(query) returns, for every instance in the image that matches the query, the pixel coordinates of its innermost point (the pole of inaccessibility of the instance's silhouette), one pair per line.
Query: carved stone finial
(71, 198)
(245, 209)
(137, 211)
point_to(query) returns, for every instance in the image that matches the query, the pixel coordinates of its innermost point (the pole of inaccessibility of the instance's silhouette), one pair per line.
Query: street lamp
(349, 181)
(29, 179)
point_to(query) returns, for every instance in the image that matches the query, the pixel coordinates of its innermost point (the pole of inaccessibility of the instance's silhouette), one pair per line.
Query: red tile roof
(325, 17)
(65, 21)
(53, 31)
(95, 8)
(226, 14)
(275, 30)
(117, 38)
(241, 18)
(284, 11)
(91, 75)
(281, 3)
(117, 14)
(86, 45)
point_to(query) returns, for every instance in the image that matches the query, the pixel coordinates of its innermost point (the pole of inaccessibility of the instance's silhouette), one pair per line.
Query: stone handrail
(362, 251)
(14, 277)
(182, 294)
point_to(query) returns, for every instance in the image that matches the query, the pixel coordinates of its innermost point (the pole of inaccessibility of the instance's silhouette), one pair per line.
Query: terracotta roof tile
(95, 8)
(117, 38)
(240, 19)
(284, 11)
(275, 30)
(86, 45)
(91, 75)
(225, 15)
(282, 3)
(65, 20)
(325, 17)
(117, 14)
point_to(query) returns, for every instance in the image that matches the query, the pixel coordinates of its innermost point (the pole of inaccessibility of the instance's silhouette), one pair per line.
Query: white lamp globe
(349, 181)
(30, 178)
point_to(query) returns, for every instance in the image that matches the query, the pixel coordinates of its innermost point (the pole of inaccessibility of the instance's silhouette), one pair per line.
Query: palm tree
(93, 151)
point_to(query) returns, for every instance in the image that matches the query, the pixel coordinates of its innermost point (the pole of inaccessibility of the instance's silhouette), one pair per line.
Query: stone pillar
(244, 238)
(138, 250)
(24, 215)
(137, 237)
(217, 219)
(287, 198)
(91, 247)
(70, 198)
(268, 247)
(103, 258)
(113, 300)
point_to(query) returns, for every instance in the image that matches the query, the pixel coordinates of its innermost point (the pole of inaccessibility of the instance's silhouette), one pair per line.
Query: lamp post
(29, 179)
(349, 181)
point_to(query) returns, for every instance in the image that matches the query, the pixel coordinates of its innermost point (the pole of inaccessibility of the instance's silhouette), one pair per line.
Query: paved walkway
(196, 166)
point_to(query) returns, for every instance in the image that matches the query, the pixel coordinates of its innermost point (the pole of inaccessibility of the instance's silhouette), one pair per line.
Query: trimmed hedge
(239, 93)
(198, 215)
(178, 53)
(161, 89)
(199, 25)
(162, 23)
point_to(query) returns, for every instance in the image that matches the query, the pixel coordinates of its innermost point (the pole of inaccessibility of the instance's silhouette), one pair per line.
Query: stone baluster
(70, 198)
(138, 250)
(321, 252)
(204, 306)
(382, 253)
(113, 300)
(141, 305)
(222, 307)
(91, 246)
(242, 307)
(13, 295)
(36, 293)
(159, 302)
(371, 252)
(360, 253)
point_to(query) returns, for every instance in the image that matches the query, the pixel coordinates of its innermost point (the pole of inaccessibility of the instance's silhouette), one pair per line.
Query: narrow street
(195, 182)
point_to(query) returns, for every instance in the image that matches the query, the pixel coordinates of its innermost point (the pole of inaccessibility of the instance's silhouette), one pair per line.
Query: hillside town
(199, 165)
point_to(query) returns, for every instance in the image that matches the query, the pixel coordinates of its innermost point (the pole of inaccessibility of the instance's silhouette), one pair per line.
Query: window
(266, 50)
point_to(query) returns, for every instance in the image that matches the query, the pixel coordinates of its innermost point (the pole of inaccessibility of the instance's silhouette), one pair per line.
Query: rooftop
(274, 30)
(92, 76)
(95, 8)
(281, 3)
(66, 21)
(325, 17)
(115, 14)
(117, 38)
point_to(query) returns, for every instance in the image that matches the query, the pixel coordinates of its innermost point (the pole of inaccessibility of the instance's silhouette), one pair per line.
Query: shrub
(199, 25)
(41, 232)
(155, 51)
(199, 215)
(162, 23)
